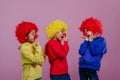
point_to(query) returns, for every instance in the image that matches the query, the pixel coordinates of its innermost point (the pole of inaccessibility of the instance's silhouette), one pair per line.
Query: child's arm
(41, 60)
(98, 46)
(66, 47)
(58, 50)
(27, 54)
(41, 56)
(83, 47)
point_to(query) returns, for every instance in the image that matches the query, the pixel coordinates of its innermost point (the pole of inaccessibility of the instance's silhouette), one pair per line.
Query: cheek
(59, 34)
(31, 37)
(90, 33)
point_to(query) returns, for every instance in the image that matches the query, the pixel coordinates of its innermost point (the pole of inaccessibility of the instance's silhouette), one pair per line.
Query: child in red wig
(92, 49)
(31, 52)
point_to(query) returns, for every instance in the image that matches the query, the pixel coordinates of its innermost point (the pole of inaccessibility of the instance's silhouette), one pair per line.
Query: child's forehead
(62, 30)
(85, 29)
(32, 31)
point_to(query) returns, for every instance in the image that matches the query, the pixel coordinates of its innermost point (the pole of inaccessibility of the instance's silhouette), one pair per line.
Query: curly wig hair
(91, 24)
(55, 27)
(23, 29)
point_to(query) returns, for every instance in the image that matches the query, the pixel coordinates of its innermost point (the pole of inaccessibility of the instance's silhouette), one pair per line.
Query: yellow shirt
(30, 54)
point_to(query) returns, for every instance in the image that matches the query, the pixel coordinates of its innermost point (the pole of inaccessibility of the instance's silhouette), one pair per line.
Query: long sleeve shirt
(91, 53)
(30, 54)
(57, 55)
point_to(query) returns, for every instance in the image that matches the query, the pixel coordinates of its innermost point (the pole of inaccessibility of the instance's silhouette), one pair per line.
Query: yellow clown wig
(55, 27)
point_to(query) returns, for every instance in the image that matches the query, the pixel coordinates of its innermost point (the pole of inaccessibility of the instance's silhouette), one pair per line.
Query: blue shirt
(91, 53)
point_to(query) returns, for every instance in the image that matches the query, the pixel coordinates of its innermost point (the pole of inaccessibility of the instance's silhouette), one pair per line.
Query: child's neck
(29, 42)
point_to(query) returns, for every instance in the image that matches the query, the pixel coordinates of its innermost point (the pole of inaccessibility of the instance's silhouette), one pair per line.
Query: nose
(35, 36)
(84, 33)
(64, 34)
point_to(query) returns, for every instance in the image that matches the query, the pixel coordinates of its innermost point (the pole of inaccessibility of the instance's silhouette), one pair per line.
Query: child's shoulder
(52, 42)
(25, 44)
(99, 39)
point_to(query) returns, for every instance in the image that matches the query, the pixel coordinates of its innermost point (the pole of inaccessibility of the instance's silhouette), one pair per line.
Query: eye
(86, 30)
(33, 33)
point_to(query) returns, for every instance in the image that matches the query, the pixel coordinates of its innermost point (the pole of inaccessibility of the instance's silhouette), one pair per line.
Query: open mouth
(88, 35)
(62, 36)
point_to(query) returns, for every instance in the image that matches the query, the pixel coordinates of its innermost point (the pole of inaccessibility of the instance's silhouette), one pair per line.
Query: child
(56, 52)
(31, 52)
(92, 49)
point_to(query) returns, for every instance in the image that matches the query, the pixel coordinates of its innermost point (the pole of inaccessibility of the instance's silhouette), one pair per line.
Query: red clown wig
(23, 29)
(93, 25)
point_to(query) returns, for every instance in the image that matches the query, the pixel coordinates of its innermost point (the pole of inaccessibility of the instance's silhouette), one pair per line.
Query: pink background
(42, 12)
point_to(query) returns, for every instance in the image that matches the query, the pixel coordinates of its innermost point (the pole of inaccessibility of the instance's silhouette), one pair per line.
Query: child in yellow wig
(31, 52)
(56, 51)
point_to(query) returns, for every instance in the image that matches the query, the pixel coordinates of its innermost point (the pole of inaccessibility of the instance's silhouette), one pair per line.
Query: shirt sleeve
(66, 46)
(98, 46)
(41, 56)
(83, 47)
(59, 50)
(27, 54)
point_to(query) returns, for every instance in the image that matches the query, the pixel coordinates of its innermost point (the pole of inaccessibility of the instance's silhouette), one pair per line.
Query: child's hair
(55, 27)
(23, 29)
(91, 24)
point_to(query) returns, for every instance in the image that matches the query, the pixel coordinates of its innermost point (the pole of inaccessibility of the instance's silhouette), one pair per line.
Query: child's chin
(32, 41)
(60, 39)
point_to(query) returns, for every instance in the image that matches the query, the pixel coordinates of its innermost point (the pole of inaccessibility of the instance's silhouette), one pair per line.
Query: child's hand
(93, 36)
(65, 39)
(65, 36)
(37, 43)
(35, 64)
(85, 38)
(96, 35)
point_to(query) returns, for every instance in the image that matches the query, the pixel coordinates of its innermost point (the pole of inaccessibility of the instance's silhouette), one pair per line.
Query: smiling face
(31, 36)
